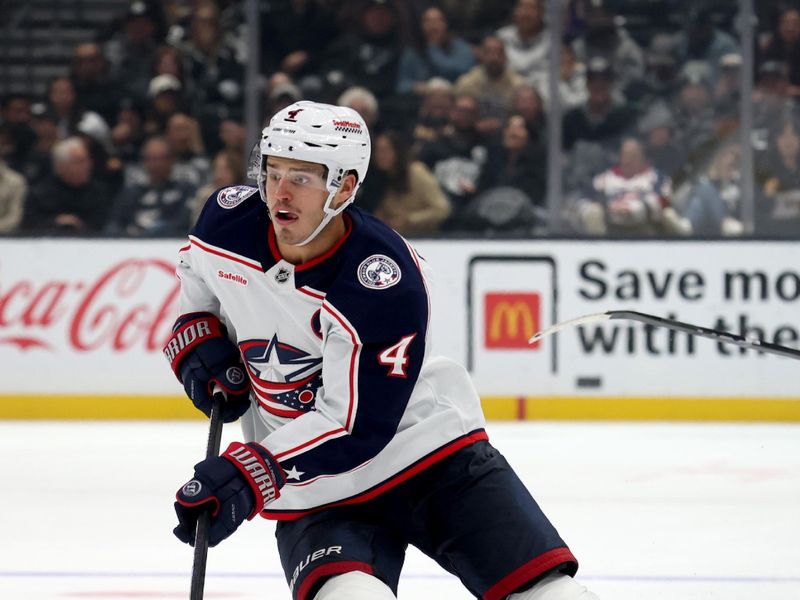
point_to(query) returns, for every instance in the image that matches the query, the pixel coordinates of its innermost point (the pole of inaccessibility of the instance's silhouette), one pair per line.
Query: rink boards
(82, 323)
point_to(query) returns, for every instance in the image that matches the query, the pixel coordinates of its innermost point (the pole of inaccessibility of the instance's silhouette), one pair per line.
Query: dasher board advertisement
(89, 317)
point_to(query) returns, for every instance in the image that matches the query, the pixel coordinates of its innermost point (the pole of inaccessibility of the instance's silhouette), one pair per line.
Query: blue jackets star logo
(282, 374)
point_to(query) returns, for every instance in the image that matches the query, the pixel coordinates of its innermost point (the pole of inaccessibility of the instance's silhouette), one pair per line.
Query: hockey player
(314, 318)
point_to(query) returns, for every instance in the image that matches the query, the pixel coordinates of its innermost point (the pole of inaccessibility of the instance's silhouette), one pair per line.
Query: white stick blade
(584, 320)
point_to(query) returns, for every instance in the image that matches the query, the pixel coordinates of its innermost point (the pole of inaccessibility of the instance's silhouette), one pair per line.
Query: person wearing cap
(701, 39)
(603, 118)
(130, 50)
(164, 99)
(605, 37)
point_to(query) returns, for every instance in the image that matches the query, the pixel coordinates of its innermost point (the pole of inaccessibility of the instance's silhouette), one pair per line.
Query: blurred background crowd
(119, 118)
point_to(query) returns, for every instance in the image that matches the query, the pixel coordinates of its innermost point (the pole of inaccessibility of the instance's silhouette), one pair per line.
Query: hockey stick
(201, 533)
(714, 334)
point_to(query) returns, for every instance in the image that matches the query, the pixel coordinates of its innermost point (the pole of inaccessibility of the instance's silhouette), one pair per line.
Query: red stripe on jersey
(328, 569)
(265, 402)
(528, 572)
(418, 467)
(276, 253)
(186, 247)
(353, 355)
(232, 257)
(310, 442)
(313, 293)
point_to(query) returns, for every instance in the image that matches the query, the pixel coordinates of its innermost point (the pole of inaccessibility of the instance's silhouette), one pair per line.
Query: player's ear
(346, 189)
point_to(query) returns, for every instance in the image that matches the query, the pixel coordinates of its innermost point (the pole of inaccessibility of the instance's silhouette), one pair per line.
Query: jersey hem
(414, 468)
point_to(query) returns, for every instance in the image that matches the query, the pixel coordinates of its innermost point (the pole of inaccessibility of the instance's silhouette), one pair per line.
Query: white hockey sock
(354, 585)
(555, 587)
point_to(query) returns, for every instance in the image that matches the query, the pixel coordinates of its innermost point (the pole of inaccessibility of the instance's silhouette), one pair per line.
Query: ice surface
(652, 511)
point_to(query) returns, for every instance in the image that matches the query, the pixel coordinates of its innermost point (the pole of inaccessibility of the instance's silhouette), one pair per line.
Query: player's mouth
(284, 217)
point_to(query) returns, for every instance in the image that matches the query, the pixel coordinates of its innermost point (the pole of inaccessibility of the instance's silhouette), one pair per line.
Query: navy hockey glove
(234, 487)
(201, 355)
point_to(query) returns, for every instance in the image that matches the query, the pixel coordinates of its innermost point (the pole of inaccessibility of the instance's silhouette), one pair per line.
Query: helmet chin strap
(329, 214)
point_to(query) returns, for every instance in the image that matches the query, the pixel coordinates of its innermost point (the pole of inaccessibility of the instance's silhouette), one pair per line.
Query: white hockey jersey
(344, 394)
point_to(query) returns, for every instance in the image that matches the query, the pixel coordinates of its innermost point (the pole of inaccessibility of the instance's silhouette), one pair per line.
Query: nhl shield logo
(378, 272)
(234, 196)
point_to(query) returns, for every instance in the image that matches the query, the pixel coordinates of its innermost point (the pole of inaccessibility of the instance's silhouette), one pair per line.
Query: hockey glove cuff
(234, 487)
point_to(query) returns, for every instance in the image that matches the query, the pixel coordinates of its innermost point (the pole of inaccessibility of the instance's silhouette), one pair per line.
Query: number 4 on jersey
(396, 356)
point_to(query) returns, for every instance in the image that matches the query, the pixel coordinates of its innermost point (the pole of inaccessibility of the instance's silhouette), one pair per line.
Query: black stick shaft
(201, 534)
(714, 334)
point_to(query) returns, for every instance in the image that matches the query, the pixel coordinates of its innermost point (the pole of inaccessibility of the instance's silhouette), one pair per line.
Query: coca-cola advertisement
(87, 316)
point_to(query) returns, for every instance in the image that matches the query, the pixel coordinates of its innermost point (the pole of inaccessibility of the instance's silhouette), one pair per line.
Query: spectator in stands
(694, 118)
(131, 50)
(405, 194)
(526, 40)
(364, 102)
(661, 80)
(169, 60)
(492, 83)
(459, 156)
(771, 99)
(729, 81)
(715, 201)
(603, 37)
(434, 112)
(233, 136)
(16, 115)
(159, 206)
(571, 83)
(127, 136)
(282, 94)
(215, 71)
(69, 202)
(630, 199)
(528, 104)
(666, 154)
(190, 161)
(475, 19)
(95, 89)
(778, 169)
(227, 169)
(784, 45)
(72, 117)
(440, 54)
(603, 119)
(701, 40)
(367, 52)
(38, 164)
(516, 161)
(165, 98)
(13, 187)
(294, 36)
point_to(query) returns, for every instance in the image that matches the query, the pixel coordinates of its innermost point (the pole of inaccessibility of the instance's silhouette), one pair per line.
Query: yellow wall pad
(506, 408)
(621, 408)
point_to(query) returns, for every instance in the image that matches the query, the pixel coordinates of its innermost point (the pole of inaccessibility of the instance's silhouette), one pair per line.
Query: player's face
(296, 194)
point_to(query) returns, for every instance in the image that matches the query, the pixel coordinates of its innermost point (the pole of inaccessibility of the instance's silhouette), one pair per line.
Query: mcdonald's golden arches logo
(510, 319)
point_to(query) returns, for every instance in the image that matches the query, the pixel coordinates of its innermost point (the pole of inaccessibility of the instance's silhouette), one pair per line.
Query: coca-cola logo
(132, 305)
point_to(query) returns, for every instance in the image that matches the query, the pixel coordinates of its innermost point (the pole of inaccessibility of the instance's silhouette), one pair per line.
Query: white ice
(652, 511)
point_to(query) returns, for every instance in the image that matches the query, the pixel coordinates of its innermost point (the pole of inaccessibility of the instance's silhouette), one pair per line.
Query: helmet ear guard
(333, 136)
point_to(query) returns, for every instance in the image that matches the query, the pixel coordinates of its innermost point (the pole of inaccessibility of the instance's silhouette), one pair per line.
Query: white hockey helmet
(334, 136)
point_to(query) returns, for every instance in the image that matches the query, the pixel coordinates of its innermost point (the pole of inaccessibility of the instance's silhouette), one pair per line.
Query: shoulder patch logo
(378, 272)
(235, 195)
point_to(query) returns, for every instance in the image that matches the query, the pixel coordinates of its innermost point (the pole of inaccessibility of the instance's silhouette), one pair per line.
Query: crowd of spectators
(149, 120)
